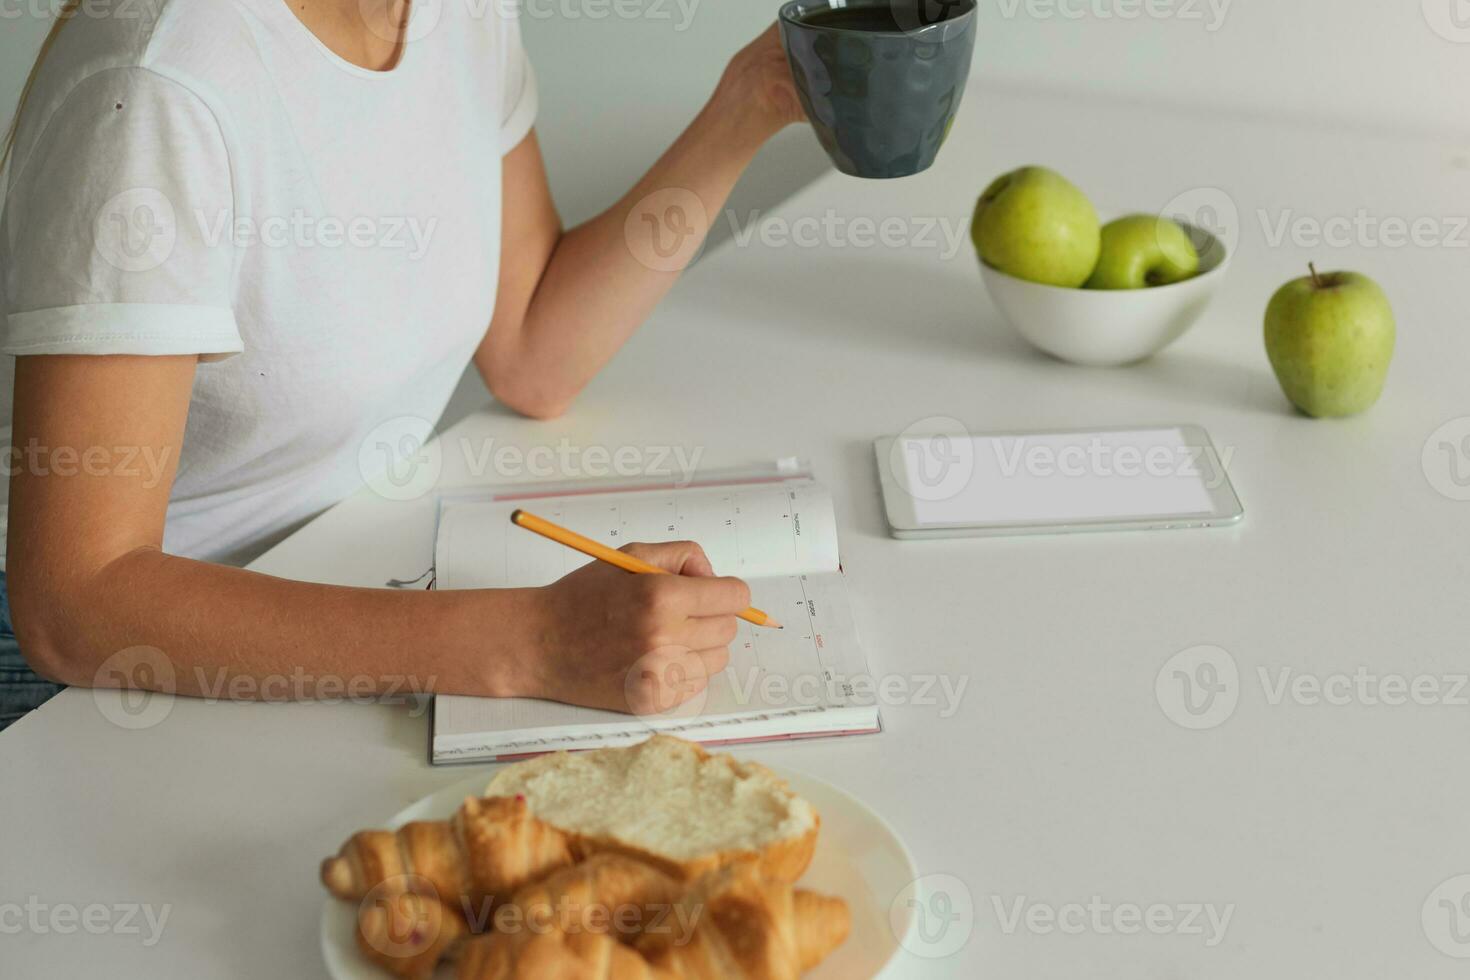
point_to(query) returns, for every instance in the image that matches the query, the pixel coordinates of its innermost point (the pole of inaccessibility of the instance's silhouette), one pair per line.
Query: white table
(1060, 777)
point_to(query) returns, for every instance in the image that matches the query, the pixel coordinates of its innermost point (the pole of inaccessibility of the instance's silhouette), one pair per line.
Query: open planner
(776, 530)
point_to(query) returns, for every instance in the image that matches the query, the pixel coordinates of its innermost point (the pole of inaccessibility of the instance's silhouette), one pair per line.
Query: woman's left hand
(757, 87)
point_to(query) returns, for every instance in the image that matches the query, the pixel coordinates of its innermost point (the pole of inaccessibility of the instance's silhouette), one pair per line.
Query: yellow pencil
(623, 560)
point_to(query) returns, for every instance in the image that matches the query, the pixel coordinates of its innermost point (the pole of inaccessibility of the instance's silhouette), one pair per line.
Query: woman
(238, 236)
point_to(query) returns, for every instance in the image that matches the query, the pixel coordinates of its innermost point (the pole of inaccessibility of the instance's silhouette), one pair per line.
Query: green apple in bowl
(1035, 225)
(1109, 327)
(1143, 250)
(1330, 338)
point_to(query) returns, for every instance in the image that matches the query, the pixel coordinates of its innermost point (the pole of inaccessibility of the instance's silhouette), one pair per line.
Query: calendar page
(779, 535)
(761, 531)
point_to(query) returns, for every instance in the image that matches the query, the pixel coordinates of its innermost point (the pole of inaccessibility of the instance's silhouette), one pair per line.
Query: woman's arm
(568, 301)
(96, 443)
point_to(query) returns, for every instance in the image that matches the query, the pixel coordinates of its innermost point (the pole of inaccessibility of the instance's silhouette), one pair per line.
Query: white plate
(859, 857)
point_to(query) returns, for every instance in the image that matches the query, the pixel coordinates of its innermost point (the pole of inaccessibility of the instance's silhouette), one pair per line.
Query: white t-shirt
(206, 177)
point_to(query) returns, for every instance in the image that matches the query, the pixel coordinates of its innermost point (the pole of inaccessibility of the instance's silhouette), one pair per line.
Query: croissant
(615, 918)
(563, 956)
(408, 933)
(608, 892)
(570, 923)
(748, 927)
(477, 858)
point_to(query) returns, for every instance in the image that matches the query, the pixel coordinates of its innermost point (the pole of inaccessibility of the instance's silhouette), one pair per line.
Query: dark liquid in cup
(883, 17)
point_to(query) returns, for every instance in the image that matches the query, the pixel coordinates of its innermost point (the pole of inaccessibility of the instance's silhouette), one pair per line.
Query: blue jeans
(22, 690)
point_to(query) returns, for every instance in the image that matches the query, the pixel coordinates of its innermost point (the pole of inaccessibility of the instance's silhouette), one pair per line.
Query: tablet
(951, 484)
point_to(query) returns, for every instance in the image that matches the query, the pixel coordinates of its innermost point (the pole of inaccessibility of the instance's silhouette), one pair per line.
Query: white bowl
(1106, 328)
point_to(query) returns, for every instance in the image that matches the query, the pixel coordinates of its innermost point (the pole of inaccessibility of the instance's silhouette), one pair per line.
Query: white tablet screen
(1056, 478)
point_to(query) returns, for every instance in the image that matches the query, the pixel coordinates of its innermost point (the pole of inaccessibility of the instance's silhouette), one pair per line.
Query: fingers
(679, 557)
(717, 596)
(688, 612)
(714, 659)
(697, 591)
(708, 632)
(668, 601)
(663, 681)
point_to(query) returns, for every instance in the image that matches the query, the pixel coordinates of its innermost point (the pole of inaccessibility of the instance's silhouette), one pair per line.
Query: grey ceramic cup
(881, 101)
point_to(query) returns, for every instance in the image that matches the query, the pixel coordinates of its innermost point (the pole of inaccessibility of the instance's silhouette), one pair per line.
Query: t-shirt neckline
(284, 6)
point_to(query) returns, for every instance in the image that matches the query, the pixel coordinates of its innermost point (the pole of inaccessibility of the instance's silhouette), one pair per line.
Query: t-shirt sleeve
(517, 83)
(117, 235)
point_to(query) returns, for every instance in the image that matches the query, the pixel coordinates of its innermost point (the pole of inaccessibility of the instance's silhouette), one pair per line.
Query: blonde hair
(67, 11)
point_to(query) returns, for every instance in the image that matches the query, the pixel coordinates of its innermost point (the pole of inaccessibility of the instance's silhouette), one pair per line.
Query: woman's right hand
(605, 638)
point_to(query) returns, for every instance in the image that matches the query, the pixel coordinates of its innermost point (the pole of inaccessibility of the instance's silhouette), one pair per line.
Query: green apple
(1330, 339)
(1143, 250)
(1035, 225)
